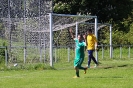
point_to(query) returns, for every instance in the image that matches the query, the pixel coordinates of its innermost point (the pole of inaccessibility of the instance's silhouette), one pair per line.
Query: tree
(106, 10)
(119, 13)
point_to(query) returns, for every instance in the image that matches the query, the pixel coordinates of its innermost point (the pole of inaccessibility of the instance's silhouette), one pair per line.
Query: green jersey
(79, 54)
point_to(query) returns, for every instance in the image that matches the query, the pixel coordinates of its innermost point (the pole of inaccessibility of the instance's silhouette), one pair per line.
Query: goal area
(36, 35)
(59, 30)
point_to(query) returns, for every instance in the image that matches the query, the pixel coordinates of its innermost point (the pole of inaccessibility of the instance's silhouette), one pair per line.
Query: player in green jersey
(79, 57)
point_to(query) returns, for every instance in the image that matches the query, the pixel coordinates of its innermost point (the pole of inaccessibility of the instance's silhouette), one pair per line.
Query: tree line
(119, 13)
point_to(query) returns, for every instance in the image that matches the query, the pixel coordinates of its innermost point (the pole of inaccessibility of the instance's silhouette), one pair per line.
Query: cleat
(88, 66)
(95, 65)
(85, 70)
(75, 77)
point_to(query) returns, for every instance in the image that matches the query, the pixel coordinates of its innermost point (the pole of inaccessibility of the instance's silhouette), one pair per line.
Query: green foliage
(104, 9)
(20, 66)
(60, 60)
(3, 45)
(37, 66)
(2, 55)
(129, 34)
(62, 7)
(117, 13)
(62, 38)
(118, 38)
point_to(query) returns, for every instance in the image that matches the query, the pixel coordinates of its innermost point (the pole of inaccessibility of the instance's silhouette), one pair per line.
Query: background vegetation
(119, 13)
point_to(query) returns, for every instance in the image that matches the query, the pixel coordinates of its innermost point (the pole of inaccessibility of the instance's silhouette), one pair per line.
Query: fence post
(6, 60)
(129, 51)
(68, 54)
(112, 51)
(40, 50)
(102, 51)
(55, 54)
(120, 51)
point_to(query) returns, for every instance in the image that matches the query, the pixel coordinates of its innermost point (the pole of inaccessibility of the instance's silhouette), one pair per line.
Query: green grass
(111, 73)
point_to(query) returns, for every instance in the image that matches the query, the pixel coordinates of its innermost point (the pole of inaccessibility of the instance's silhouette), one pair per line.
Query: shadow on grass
(109, 67)
(122, 65)
(106, 77)
(106, 67)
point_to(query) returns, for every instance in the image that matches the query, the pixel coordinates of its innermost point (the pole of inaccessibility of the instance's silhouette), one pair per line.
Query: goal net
(63, 44)
(21, 20)
(32, 32)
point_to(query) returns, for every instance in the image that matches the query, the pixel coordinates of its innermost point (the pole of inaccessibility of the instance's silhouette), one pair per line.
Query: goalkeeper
(79, 57)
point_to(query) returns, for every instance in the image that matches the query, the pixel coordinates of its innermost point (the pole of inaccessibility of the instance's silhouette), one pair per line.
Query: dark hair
(81, 36)
(89, 30)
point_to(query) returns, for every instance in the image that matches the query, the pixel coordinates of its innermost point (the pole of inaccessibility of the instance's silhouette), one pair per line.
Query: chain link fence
(21, 23)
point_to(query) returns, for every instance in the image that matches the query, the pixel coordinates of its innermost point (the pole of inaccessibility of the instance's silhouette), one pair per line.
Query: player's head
(80, 37)
(89, 31)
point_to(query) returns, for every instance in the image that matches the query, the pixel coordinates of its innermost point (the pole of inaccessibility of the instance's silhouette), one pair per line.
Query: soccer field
(109, 74)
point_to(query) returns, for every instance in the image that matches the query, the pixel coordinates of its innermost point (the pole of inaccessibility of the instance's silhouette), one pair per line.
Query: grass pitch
(109, 74)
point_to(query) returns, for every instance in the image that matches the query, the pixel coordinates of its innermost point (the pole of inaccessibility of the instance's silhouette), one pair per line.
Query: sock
(88, 66)
(82, 68)
(77, 73)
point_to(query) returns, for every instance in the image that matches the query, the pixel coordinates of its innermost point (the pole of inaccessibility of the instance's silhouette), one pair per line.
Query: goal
(60, 24)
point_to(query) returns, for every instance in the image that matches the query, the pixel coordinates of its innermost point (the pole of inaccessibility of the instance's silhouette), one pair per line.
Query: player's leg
(89, 57)
(80, 65)
(93, 58)
(76, 62)
(96, 63)
(77, 72)
(83, 68)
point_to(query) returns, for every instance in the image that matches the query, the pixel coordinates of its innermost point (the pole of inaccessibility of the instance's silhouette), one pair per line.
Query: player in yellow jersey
(91, 42)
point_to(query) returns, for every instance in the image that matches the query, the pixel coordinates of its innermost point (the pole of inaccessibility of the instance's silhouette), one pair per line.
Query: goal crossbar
(61, 27)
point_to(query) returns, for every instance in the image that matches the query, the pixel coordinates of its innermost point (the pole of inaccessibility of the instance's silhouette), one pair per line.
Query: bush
(2, 53)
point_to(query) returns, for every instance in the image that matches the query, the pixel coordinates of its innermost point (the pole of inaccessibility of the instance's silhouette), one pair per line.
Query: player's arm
(96, 44)
(84, 36)
(82, 44)
(85, 39)
(71, 33)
